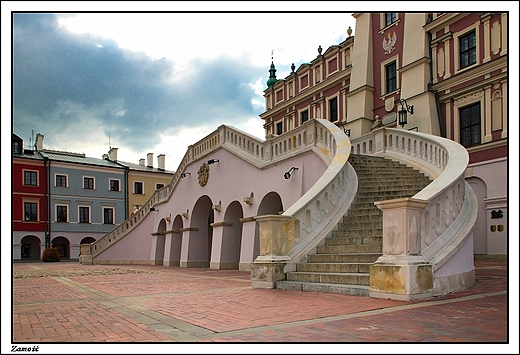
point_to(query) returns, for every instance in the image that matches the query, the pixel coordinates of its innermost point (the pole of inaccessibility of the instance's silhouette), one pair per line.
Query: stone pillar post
(401, 273)
(269, 266)
(85, 257)
(216, 247)
(248, 245)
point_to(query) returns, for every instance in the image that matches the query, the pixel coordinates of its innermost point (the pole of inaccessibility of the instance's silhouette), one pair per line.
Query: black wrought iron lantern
(403, 112)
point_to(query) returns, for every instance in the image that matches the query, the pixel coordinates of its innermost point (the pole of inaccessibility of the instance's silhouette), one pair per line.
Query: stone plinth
(269, 266)
(402, 272)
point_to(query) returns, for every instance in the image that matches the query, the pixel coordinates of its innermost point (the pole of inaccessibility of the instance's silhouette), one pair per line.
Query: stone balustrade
(421, 233)
(310, 136)
(287, 238)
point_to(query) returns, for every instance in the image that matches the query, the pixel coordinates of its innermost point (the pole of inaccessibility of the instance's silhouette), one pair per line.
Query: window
(30, 209)
(391, 77)
(84, 215)
(468, 49)
(61, 181)
(138, 188)
(30, 178)
(279, 128)
(159, 186)
(16, 148)
(390, 18)
(88, 183)
(61, 213)
(108, 215)
(305, 116)
(470, 125)
(114, 185)
(333, 109)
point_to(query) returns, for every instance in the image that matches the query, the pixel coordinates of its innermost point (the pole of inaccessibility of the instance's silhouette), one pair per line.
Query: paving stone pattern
(65, 302)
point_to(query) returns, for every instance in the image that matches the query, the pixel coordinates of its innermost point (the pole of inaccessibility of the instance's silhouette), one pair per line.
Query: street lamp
(403, 112)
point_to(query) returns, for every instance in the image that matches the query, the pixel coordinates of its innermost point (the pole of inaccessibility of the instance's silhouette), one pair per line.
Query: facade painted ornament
(389, 43)
(203, 174)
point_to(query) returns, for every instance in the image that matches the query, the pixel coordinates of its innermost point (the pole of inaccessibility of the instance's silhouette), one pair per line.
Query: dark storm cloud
(60, 78)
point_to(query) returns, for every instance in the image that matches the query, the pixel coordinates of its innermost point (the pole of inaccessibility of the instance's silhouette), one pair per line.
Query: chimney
(141, 161)
(39, 142)
(149, 160)
(160, 161)
(112, 154)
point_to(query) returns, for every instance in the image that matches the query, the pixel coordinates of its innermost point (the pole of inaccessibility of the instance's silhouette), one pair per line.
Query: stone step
(334, 267)
(354, 290)
(347, 278)
(342, 264)
(342, 249)
(343, 258)
(354, 223)
(345, 238)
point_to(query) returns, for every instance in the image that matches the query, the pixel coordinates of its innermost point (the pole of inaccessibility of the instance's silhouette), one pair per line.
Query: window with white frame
(84, 214)
(114, 185)
(138, 188)
(30, 178)
(88, 183)
(61, 180)
(108, 215)
(61, 213)
(470, 125)
(30, 211)
(333, 109)
(468, 49)
(304, 116)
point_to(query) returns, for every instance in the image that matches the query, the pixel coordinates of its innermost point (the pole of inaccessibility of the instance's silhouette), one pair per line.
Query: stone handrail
(290, 236)
(309, 136)
(445, 202)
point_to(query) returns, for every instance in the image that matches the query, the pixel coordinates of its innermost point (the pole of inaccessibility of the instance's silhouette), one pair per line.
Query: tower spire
(272, 72)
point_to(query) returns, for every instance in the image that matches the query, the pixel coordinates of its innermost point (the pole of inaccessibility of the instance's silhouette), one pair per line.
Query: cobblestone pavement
(138, 307)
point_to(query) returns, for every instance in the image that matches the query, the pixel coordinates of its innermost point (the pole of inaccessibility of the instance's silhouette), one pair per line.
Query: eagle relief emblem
(389, 42)
(203, 174)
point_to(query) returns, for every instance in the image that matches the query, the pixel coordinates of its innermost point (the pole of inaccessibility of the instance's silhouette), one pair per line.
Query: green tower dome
(272, 76)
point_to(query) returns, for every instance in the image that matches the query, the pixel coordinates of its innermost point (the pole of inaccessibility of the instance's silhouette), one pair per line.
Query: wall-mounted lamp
(346, 130)
(153, 209)
(186, 214)
(216, 207)
(183, 175)
(249, 200)
(287, 175)
(405, 108)
(168, 218)
(212, 161)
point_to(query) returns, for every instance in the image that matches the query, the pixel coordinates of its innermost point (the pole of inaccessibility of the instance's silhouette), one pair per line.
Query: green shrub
(51, 254)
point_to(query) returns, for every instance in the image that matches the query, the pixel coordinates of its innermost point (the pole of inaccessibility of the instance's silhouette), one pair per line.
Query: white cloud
(294, 37)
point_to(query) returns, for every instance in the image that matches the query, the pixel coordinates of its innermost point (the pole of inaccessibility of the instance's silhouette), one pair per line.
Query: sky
(153, 82)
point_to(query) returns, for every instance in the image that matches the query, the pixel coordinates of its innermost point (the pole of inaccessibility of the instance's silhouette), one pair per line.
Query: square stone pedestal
(401, 278)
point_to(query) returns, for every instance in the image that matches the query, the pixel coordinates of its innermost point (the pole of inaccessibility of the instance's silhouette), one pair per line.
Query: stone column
(401, 273)
(268, 267)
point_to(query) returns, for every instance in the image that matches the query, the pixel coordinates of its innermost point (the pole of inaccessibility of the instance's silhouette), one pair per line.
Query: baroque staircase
(342, 263)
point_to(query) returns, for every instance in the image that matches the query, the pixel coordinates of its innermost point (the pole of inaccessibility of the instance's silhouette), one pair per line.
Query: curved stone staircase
(342, 263)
